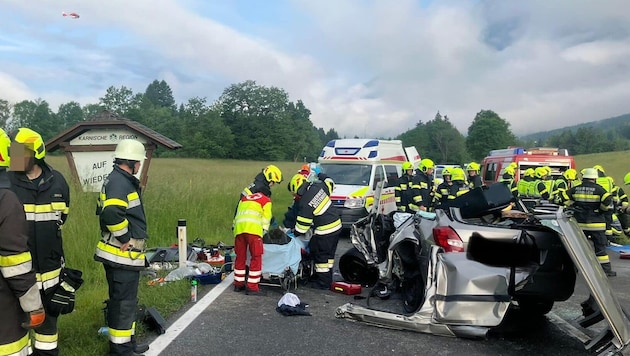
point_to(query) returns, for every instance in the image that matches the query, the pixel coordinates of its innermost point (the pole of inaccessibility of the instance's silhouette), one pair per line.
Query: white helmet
(590, 173)
(131, 150)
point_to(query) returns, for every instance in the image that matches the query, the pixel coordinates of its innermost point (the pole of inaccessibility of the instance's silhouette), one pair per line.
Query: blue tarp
(623, 248)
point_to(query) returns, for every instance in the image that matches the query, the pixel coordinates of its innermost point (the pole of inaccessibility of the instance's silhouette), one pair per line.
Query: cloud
(363, 67)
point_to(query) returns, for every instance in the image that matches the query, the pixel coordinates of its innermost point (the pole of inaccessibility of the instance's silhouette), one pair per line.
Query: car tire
(354, 268)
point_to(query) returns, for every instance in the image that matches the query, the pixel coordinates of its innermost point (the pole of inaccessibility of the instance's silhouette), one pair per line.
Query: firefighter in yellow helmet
(525, 185)
(474, 179)
(442, 190)
(608, 184)
(564, 182)
(21, 302)
(123, 227)
(423, 182)
(407, 196)
(507, 178)
(591, 200)
(459, 186)
(316, 213)
(45, 195)
(541, 189)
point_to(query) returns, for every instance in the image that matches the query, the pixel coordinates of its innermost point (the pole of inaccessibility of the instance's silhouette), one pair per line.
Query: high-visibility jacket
(122, 218)
(46, 206)
(523, 186)
(407, 194)
(19, 292)
(508, 180)
(253, 215)
(591, 200)
(316, 210)
(606, 182)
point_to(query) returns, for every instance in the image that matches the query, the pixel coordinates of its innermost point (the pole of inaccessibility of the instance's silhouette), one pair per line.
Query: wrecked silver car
(529, 261)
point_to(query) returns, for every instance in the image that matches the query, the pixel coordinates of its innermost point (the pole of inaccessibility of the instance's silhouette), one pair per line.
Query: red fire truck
(495, 163)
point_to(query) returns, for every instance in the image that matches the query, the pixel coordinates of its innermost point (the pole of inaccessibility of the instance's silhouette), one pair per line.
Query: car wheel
(354, 268)
(535, 306)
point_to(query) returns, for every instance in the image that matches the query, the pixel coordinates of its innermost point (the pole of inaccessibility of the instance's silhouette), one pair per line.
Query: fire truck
(493, 166)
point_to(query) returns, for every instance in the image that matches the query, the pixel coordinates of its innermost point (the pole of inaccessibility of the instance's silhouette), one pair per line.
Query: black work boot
(139, 348)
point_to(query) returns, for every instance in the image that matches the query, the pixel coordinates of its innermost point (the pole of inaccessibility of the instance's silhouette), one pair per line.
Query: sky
(365, 68)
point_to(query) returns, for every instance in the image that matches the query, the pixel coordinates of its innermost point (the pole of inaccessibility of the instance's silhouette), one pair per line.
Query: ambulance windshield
(348, 174)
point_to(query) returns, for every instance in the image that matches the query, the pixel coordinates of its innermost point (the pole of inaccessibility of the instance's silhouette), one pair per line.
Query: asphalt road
(238, 324)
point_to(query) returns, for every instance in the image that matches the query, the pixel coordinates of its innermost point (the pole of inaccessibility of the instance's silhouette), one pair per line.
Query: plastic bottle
(103, 330)
(193, 290)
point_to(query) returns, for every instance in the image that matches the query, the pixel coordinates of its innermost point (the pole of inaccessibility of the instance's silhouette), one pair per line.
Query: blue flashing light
(330, 143)
(371, 143)
(322, 154)
(373, 154)
(519, 151)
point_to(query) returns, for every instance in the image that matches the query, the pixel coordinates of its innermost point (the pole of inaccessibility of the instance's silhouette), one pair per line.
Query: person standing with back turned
(121, 249)
(45, 196)
(19, 293)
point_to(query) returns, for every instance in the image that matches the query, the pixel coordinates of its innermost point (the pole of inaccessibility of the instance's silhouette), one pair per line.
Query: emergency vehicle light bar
(507, 151)
(548, 151)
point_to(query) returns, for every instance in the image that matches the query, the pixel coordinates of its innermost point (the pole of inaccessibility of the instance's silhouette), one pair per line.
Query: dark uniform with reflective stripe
(18, 287)
(122, 220)
(590, 201)
(508, 180)
(407, 195)
(316, 211)
(46, 202)
(424, 183)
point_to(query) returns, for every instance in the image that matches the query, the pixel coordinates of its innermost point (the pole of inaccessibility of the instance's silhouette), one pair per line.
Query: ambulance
(363, 170)
(493, 166)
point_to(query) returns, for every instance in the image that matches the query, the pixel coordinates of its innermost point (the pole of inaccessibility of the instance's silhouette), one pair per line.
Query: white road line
(161, 342)
(568, 328)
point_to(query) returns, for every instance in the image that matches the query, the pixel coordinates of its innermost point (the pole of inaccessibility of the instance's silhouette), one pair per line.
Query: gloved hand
(62, 300)
(35, 319)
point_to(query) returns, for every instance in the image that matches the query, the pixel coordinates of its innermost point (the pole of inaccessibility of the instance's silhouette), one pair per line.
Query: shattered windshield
(348, 174)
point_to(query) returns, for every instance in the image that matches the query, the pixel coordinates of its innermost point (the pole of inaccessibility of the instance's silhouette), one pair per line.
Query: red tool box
(345, 288)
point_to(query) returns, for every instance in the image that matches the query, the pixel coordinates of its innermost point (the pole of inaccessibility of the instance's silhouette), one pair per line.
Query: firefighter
(45, 196)
(459, 186)
(541, 188)
(623, 213)
(474, 179)
(423, 182)
(508, 179)
(252, 220)
(123, 227)
(590, 201)
(609, 185)
(564, 182)
(442, 190)
(523, 187)
(19, 294)
(407, 196)
(316, 212)
(263, 181)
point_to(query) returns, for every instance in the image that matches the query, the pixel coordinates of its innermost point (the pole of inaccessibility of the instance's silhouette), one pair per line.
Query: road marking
(161, 342)
(568, 328)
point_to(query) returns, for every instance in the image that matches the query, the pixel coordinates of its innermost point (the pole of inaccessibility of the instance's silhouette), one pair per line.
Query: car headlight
(354, 203)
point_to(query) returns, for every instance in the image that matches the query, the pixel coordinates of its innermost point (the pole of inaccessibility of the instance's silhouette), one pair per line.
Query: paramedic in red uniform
(315, 211)
(253, 216)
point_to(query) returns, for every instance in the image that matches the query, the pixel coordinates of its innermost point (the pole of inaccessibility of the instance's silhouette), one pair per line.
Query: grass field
(205, 193)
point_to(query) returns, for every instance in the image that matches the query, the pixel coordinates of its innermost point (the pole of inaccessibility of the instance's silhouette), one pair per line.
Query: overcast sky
(366, 68)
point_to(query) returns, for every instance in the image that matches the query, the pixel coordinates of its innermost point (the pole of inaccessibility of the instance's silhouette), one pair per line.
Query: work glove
(35, 319)
(62, 300)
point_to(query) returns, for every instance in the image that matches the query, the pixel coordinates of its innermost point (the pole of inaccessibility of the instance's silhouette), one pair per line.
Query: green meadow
(205, 193)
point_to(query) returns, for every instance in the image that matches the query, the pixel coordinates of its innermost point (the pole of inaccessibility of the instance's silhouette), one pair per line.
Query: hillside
(610, 123)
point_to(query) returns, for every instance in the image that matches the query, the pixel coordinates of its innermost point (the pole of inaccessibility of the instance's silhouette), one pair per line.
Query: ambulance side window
(379, 175)
(391, 173)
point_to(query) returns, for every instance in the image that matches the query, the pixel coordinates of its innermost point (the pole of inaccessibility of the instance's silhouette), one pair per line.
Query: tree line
(254, 122)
